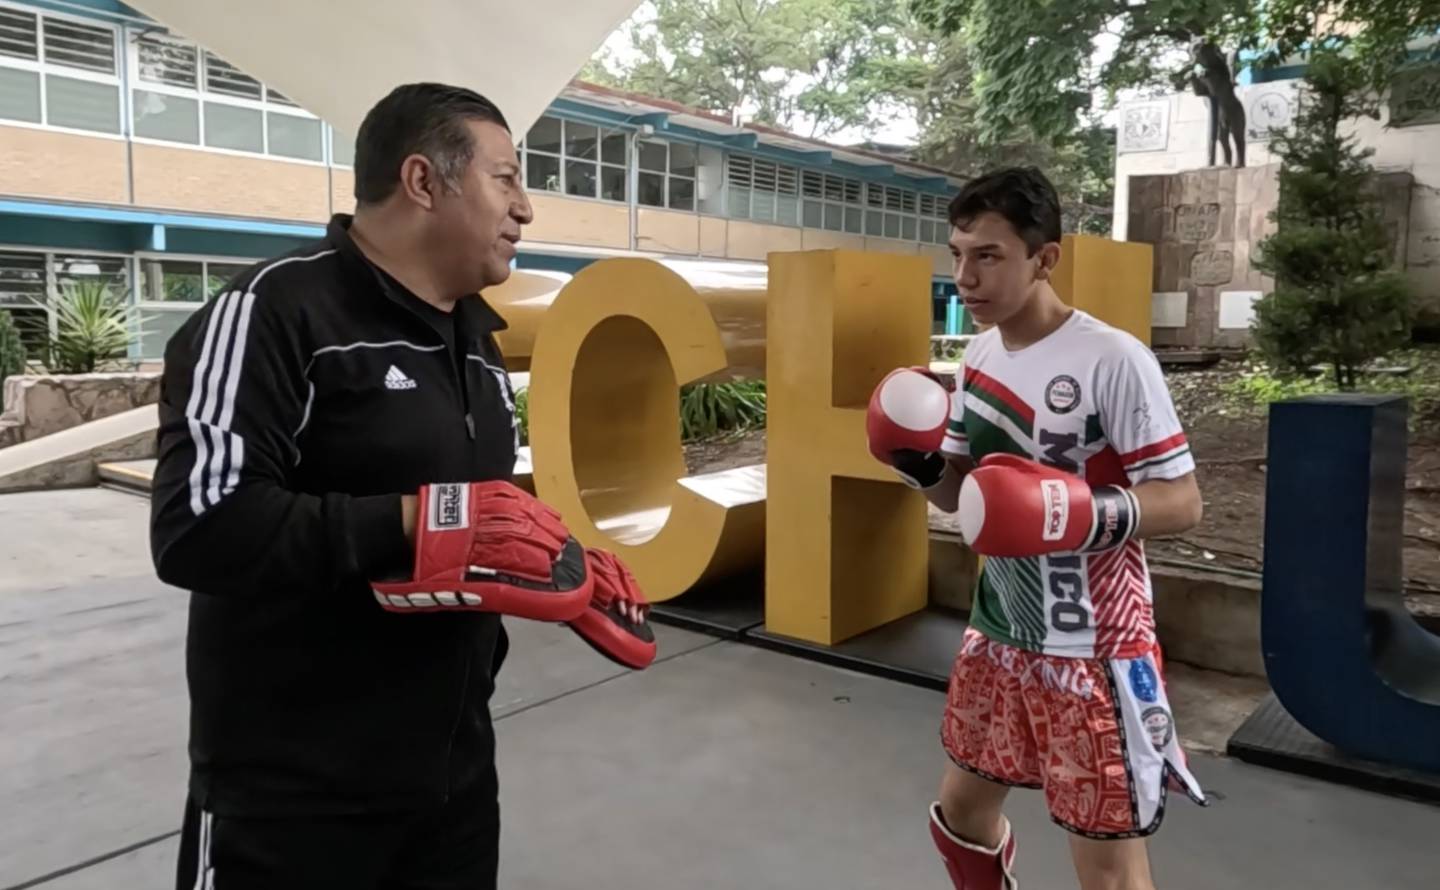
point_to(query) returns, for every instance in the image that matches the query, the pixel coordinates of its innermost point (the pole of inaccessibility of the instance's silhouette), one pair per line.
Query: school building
(131, 154)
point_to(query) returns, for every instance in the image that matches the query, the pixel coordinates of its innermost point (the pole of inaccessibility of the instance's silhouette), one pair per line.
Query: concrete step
(69, 459)
(132, 476)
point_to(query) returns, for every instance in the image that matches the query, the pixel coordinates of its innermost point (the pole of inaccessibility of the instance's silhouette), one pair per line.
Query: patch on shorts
(1158, 723)
(1143, 681)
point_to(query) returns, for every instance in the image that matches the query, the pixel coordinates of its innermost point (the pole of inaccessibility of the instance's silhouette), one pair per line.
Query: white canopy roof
(337, 57)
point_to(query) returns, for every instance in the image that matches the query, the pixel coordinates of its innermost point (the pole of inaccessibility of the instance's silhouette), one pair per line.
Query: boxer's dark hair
(1023, 195)
(418, 118)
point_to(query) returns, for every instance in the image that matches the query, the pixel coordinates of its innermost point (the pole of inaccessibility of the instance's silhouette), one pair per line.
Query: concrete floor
(723, 766)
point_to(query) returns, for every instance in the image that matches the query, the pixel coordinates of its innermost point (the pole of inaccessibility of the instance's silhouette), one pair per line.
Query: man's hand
(615, 622)
(490, 547)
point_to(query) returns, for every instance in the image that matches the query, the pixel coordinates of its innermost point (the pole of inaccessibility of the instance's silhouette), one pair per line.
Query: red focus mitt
(491, 547)
(615, 622)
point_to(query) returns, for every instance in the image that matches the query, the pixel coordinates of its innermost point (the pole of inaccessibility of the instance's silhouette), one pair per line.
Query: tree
(869, 59)
(828, 60)
(1337, 297)
(1033, 58)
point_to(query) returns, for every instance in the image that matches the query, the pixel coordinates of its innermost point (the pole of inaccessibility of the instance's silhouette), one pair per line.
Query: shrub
(1337, 298)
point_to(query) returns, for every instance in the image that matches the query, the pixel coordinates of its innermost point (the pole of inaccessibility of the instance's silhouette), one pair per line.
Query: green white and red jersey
(1089, 399)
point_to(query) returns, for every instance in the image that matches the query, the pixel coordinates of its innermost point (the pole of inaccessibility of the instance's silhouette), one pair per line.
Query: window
(30, 281)
(23, 295)
(342, 149)
(170, 289)
(668, 172)
(934, 219)
(170, 281)
(574, 158)
(189, 95)
(58, 71)
(764, 191)
(832, 202)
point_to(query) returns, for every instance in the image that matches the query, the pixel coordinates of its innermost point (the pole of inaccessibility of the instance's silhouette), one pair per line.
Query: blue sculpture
(1344, 656)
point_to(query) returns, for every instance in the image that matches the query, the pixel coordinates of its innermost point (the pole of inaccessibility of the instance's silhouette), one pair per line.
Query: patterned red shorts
(1096, 734)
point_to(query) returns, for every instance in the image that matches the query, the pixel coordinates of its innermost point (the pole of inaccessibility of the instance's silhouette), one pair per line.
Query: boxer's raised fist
(905, 425)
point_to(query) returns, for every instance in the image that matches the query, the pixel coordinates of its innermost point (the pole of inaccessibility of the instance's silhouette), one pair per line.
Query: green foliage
(860, 61)
(1373, 33)
(94, 325)
(12, 350)
(942, 350)
(522, 414)
(729, 55)
(1337, 298)
(1263, 384)
(706, 409)
(1033, 58)
(710, 409)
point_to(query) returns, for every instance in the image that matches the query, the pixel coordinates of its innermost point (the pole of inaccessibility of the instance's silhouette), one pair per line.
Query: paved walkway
(723, 766)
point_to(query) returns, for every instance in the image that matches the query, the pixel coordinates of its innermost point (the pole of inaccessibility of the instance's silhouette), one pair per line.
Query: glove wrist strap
(1117, 517)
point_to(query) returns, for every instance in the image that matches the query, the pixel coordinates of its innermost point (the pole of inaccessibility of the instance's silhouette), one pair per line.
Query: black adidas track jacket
(296, 408)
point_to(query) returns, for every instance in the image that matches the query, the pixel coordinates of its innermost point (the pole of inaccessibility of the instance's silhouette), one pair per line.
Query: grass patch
(1260, 384)
(707, 410)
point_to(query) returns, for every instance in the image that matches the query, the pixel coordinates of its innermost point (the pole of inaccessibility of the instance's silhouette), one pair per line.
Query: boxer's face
(480, 221)
(995, 271)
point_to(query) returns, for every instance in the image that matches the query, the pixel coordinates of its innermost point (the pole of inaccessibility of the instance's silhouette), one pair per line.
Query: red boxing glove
(614, 623)
(491, 547)
(1011, 506)
(905, 425)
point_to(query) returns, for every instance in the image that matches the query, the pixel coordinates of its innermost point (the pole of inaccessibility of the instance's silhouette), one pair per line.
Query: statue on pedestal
(1210, 78)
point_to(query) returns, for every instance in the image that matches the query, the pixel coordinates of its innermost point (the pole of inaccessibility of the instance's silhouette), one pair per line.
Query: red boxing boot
(971, 866)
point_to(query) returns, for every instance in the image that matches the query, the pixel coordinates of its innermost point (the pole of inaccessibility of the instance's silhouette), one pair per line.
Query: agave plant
(708, 409)
(94, 325)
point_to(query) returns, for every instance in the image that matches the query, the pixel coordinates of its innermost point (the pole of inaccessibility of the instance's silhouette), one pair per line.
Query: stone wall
(38, 406)
(1203, 224)
(1170, 136)
(1206, 226)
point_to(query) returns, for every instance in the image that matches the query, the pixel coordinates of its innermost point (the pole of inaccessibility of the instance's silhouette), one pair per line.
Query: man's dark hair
(1020, 194)
(418, 118)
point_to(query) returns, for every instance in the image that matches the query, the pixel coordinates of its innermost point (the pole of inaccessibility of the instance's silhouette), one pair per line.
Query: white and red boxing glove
(905, 425)
(1011, 506)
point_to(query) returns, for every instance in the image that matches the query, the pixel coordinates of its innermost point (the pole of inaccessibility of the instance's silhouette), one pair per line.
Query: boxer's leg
(971, 833)
(970, 806)
(1111, 864)
(986, 735)
(1107, 742)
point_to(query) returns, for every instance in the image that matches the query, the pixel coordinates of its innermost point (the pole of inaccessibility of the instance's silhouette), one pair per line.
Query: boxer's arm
(1140, 421)
(946, 495)
(1168, 506)
(224, 518)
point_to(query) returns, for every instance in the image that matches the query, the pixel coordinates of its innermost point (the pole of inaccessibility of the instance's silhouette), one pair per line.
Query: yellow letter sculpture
(617, 342)
(846, 543)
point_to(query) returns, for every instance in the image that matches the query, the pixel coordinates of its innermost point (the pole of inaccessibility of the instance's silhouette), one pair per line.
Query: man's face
(479, 224)
(993, 269)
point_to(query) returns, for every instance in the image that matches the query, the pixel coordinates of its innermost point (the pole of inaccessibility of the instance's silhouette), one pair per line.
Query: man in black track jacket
(334, 743)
